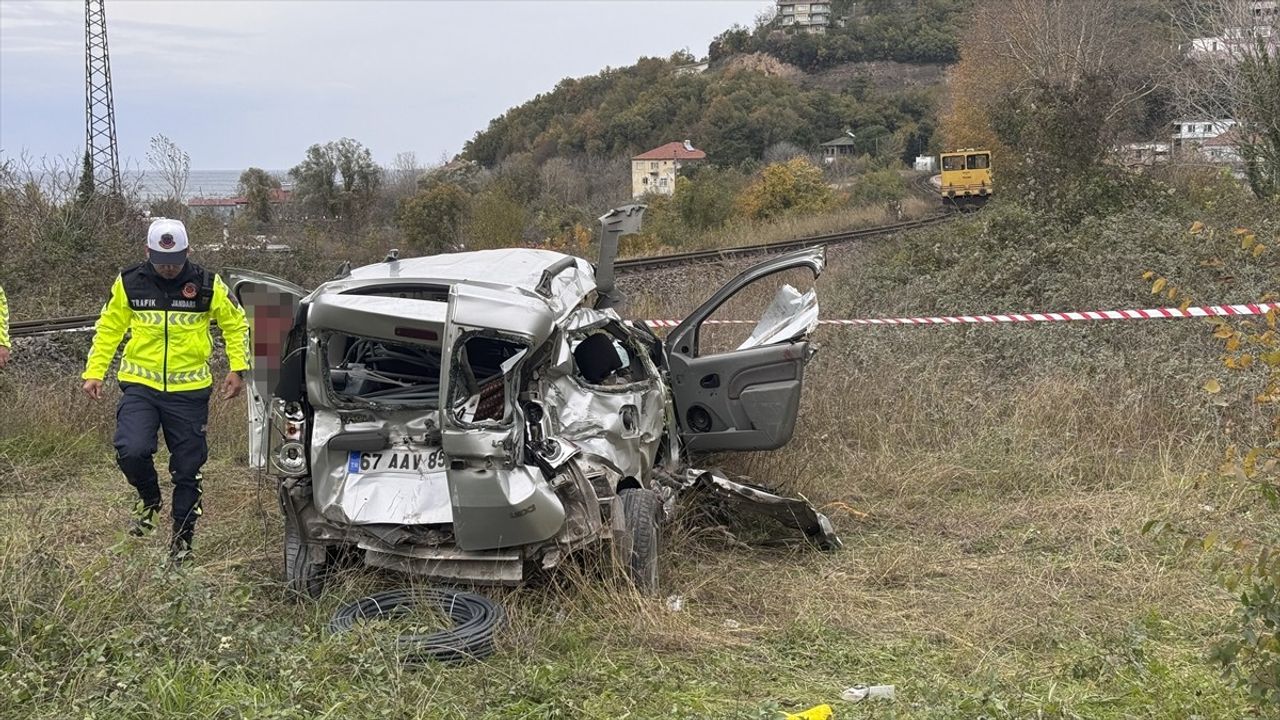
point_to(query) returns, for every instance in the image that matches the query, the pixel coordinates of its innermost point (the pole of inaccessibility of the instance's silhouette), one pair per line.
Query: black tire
(305, 564)
(641, 508)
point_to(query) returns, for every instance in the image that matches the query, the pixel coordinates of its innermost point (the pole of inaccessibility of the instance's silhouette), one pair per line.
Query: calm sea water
(201, 183)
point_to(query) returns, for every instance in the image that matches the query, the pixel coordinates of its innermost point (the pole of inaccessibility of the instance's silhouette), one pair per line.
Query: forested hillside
(737, 110)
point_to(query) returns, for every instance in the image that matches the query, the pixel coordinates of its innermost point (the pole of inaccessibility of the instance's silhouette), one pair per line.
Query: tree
(432, 220)
(705, 199)
(405, 171)
(1236, 78)
(496, 221)
(1050, 85)
(337, 179)
(86, 188)
(782, 188)
(172, 164)
(256, 186)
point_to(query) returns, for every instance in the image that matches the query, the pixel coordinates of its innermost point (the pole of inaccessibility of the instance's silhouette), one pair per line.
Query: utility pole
(99, 108)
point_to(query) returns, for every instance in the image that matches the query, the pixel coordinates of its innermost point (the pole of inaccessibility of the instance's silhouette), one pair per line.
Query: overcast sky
(253, 83)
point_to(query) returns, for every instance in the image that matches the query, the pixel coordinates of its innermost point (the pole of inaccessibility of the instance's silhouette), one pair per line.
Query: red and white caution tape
(1168, 313)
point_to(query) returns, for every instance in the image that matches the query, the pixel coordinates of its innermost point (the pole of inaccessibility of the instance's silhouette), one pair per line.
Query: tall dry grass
(989, 484)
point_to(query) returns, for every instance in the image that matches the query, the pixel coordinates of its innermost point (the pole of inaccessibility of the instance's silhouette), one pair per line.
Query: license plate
(410, 461)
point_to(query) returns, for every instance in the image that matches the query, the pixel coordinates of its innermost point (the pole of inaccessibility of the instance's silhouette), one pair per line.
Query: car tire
(640, 509)
(305, 564)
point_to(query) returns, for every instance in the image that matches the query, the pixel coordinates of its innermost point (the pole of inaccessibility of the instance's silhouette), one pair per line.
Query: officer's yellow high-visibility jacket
(168, 324)
(4, 319)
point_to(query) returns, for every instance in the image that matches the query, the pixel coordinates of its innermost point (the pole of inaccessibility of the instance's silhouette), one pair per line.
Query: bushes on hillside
(793, 186)
(432, 220)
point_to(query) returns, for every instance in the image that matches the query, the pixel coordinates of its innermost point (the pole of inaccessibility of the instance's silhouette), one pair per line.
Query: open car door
(748, 397)
(270, 305)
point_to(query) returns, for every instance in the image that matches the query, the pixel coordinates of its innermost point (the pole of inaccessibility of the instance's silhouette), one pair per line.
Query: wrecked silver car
(476, 416)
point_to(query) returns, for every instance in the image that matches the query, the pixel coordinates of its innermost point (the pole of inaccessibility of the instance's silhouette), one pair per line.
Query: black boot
(143, 522)
(180, 546)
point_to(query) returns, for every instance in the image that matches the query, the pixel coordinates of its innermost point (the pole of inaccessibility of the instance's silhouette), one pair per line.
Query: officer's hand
(93, 388)
(232, 386)
(4, 355)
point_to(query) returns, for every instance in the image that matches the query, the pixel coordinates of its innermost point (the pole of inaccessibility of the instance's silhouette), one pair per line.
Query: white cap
(167, 242)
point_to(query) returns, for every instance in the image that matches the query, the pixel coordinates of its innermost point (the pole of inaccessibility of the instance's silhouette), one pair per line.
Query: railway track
(29, 328)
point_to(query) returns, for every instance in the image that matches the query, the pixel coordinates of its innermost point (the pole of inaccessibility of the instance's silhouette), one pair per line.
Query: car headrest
(596, 358)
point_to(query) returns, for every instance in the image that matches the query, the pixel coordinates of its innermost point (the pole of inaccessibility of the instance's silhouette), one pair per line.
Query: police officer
(166, 304)
(4, 329)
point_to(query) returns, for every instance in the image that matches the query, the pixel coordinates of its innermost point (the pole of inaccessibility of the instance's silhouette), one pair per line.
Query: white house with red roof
(655, 171)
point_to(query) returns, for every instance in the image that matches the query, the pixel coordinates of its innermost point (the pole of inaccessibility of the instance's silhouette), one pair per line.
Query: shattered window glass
(478, 391)
(369, 370)
(774, 309)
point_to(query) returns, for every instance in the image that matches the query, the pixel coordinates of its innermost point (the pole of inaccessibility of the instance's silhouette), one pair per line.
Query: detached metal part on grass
(479, 416)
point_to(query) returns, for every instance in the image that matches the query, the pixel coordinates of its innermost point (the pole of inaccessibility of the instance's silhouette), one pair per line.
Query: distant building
(655, 171)
(843, 146)
(1224, 149)
(1257, 27)
(1193, 133)
(926, 163)
(813, 17)
(694, 68)
(1213, 142)
(1144, 154)
(225, 209)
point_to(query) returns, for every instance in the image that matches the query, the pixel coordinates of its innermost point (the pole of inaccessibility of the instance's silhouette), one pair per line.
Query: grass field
(990, 490)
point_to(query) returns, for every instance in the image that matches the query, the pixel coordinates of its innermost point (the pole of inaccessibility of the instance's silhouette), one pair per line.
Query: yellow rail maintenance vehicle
(966, 179)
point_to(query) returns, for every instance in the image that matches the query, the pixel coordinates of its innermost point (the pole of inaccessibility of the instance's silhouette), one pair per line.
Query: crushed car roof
(520, 269)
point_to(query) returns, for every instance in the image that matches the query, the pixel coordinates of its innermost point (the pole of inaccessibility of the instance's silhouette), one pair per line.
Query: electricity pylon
(99, 108)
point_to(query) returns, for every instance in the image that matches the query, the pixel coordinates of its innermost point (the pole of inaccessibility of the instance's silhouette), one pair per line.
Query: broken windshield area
(379, 371)
(478, 390)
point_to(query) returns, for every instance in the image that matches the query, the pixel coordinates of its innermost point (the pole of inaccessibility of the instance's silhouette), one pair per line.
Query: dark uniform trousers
(183, 416)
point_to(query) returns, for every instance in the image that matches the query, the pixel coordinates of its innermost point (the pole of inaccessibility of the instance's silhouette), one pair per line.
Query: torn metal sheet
(793, 512)
(622, 427)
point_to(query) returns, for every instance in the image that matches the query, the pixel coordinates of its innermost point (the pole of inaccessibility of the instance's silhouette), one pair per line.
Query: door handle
(710, 381)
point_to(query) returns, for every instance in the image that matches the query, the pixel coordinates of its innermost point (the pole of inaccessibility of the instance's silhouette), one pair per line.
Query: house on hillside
(1190, 134)
(811, 17)
(842, 147)
(693, 68)
(1144, 154)
(1225, 150)
(655, 171)
(225, 209)
(1257, 28)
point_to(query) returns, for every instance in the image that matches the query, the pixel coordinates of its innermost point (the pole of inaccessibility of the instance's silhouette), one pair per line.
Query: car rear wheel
(305, 564)
(640, 508)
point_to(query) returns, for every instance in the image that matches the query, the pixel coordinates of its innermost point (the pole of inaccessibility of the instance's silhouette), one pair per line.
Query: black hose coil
(475, 620)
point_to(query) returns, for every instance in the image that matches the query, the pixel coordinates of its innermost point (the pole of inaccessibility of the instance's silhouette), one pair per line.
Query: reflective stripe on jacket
(4, 319)
(168, 324)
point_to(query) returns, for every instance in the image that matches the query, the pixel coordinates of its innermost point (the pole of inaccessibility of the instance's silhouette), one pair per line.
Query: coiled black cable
(475, 620)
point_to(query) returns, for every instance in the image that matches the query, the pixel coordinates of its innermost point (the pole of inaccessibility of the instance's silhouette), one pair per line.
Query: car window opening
(479, 392)
(601, 358)
(953, 162)
(979, 162)
(364, 369)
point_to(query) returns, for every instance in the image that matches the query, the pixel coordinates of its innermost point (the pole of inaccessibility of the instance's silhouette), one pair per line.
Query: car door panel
(745, 399)
(271, 306)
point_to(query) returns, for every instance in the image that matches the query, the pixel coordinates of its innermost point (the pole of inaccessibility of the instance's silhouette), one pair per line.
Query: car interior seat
(596, 358)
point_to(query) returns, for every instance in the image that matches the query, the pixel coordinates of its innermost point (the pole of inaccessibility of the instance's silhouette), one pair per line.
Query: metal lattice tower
(99, 108)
